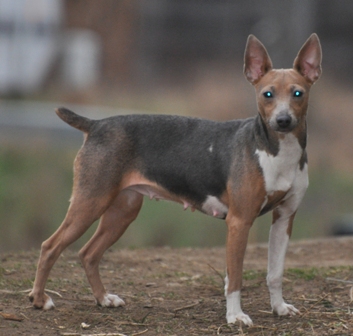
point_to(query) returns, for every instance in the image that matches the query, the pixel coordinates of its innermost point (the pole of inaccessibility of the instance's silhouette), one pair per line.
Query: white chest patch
(214, 207)
(280, 171)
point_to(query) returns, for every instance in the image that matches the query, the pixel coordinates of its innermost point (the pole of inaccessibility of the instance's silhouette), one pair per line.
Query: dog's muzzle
(284, 122)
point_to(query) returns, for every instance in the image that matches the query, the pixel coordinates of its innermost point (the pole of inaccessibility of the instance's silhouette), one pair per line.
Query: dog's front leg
(279, 236)
(238, 231)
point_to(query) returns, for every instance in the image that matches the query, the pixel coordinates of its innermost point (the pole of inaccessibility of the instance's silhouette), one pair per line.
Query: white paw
(49, 304)
(111, 300)
(233, 318)
(285, 309)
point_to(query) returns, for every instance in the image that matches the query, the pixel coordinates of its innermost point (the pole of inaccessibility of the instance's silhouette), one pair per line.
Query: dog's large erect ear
(308, 60)
(256, 60)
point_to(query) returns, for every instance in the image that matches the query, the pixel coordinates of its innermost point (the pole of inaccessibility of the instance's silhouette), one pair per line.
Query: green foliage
(253, 275)
(303, 273)
(31, 183)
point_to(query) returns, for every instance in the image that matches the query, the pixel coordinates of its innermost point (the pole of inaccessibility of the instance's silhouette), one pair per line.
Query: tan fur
(244, 207)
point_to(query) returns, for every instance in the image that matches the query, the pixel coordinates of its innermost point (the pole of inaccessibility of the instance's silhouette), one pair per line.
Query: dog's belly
(212, 205)
(153, 192)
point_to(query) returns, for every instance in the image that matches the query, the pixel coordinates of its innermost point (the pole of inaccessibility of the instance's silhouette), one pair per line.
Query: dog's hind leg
(113, 224)
(97, 175)
(82, 213)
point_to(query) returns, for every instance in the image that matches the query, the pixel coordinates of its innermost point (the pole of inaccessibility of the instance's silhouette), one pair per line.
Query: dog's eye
(268, 94)
(297, 94)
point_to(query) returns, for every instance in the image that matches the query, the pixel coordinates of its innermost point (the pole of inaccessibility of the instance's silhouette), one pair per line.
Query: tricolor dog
(235, 170)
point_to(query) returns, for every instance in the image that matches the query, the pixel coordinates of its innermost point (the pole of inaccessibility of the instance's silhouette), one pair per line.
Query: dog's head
(282, 94)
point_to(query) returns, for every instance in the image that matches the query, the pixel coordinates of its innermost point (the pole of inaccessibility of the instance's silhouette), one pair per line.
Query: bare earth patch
(180, 292)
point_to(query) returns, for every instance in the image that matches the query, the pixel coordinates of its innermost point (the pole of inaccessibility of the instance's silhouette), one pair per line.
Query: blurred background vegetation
(160, 56)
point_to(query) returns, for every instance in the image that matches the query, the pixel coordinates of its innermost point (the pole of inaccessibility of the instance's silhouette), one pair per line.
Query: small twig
(76, 334)
(303, 298)
(11, 317)
(344, 325)
(144, 318)
(5, 291)
(315, 304)
(53, 292)
(186, 307)
(24, 316)
(217, 272)
(266, 312)
(312, 329)
(219, 330)
(241, 329)
(132, 324)
(139, 333)
(339, 280)
(263, 327)
(328, 313)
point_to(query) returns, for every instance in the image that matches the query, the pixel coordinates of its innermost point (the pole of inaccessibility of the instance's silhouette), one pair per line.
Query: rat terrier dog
(235, 170)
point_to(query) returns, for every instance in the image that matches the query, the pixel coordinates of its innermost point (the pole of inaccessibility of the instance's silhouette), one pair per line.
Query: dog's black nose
(284, 121)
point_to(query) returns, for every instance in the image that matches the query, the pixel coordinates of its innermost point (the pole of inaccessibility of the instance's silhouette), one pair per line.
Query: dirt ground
(180, 292)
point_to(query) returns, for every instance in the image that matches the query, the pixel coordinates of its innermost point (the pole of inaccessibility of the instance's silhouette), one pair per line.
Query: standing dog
(235, 170)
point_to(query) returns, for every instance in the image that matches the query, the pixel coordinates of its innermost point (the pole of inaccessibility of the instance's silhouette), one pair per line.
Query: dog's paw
(285, 309)
(45, 302)
(110, 300)
(49, 304)
(240, 317)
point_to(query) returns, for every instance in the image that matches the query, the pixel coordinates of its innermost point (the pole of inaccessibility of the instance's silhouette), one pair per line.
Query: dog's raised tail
(81, 123)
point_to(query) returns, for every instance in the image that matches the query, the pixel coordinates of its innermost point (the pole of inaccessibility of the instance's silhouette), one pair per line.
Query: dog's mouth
(284, 129)
(283, 123)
